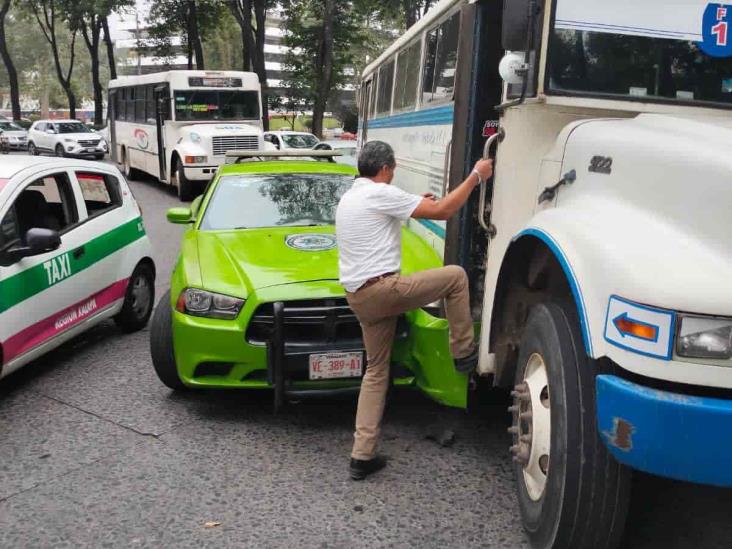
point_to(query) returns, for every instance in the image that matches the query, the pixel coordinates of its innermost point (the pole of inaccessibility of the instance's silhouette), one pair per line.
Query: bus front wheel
(184, 186)
(571, 491)
(128, 170)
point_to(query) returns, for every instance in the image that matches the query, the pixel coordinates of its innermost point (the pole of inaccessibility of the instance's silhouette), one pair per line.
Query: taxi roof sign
(288, 153)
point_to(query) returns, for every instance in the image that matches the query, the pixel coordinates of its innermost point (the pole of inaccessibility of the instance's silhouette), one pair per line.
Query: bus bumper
(200, 173)
(667, 434)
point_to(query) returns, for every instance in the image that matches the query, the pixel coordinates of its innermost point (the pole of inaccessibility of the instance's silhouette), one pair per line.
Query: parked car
(65, 138)
(12, 135)
(255, 302)
(283, 140)
(73, 252)
(346, 148)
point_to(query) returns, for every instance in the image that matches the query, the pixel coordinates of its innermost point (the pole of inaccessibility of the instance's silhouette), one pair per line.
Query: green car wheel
(161, 345)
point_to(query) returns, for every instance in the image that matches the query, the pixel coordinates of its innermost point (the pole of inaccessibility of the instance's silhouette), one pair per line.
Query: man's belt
(373, 280)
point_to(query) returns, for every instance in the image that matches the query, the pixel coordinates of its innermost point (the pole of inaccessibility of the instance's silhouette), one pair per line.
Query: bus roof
(249, 80)
(435, 12)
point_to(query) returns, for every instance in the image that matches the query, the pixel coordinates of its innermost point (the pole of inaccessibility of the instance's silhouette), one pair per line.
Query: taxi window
(9, 233)
(46, 203)
(100, 192)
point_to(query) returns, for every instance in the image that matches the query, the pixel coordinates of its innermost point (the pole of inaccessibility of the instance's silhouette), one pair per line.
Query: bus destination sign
(214, 82)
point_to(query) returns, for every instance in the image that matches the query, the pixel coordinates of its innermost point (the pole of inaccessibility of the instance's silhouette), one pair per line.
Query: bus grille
(221, 144)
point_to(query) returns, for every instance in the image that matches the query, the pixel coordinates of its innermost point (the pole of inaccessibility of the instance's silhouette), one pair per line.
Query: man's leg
(450, 283)
(378, 337)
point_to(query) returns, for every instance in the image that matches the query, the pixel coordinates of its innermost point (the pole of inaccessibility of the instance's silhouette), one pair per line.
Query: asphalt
(96, 452)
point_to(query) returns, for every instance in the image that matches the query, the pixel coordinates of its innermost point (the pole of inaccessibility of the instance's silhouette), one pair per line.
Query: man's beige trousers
(378, 307)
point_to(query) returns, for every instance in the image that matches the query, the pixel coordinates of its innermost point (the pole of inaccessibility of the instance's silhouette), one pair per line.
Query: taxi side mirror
(37, 241)
(180, 216)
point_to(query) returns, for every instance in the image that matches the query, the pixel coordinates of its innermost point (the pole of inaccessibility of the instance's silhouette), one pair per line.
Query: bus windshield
(638, 67)
(216, 105)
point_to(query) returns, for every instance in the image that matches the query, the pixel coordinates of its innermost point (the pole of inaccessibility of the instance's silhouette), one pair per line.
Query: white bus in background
(178, 125)
(407, 101)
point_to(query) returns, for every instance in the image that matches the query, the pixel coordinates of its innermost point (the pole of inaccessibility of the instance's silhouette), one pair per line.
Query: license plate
(91, 150)
(336, 365)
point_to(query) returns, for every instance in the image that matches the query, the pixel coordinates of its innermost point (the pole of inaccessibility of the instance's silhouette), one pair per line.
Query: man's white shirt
(368, 228)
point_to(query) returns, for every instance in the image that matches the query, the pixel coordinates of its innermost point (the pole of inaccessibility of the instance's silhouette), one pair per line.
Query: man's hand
(447, 206)
(484, 169)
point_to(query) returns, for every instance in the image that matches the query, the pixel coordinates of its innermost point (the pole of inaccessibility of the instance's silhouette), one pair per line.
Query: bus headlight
(195, 159)
(701, 337)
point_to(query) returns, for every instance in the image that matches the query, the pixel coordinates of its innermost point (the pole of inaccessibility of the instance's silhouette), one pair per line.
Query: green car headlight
(705, 338)
(196, 302)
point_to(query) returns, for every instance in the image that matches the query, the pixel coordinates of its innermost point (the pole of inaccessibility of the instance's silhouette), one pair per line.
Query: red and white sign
(336, 365)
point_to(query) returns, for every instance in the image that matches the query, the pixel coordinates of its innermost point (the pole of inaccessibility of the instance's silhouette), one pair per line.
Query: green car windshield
(247, 201)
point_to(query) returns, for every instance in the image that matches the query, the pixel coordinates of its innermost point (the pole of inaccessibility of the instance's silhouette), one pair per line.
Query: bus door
(111, 124)
(162, 113)
(478, 88)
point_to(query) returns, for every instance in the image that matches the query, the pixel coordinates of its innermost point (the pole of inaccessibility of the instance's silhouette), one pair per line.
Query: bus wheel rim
(533, 426)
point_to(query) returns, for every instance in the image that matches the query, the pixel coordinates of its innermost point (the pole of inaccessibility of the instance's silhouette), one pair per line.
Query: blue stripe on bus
(432, 226)
(427, 117)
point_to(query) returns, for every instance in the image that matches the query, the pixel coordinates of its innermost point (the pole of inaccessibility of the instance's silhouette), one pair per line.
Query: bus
(598, 255)
(177, 125)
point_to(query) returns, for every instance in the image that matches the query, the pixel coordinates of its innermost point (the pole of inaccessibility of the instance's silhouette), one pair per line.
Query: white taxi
(73, 252)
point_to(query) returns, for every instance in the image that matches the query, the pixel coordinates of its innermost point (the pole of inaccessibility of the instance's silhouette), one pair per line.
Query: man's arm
(448, 206)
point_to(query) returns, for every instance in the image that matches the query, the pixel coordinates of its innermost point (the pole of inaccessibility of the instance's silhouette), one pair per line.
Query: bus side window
(130, 105)
(150, 104)
(407, 79)
(386, 82)
(441, 61)
(140, 104)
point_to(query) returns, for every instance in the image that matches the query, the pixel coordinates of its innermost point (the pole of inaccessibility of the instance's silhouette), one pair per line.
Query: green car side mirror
(180, 216)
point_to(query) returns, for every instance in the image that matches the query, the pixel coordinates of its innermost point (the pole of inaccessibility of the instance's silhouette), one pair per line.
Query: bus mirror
(516, 19)
(513, 68)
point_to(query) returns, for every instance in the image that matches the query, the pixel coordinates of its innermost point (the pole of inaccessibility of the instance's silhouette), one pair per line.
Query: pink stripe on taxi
(3, 182)
(34, 335)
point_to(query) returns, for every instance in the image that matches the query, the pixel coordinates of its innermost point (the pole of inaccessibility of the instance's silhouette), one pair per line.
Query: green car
(255, 302)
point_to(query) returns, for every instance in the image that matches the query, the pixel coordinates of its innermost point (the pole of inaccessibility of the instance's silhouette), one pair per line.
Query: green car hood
(241, 261)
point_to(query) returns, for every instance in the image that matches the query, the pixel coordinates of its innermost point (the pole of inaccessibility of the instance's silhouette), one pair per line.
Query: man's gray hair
(374, 156)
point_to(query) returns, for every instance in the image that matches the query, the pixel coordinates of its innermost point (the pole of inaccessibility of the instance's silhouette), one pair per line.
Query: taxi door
(41, 295)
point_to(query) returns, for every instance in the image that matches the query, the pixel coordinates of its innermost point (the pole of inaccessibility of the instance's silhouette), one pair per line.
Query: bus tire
(139, 300)
(571, 491)
(127, 169)
(184, 186)
(161, 345)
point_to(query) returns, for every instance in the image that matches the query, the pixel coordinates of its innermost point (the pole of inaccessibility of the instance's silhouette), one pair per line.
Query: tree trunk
(325, 68)
(110, 50)
(91, 35)
(9, 65)
(237, 10)
(194, 37)
(260, 67)
(48, 27)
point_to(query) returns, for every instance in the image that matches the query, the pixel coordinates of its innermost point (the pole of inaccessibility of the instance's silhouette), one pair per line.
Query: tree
(8, 61)
(48, 14)
(253, 37)
(192, 20)
(88, 16)
(322, 36)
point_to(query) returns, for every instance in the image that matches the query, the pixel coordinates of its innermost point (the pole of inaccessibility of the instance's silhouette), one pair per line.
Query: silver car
(12, 135)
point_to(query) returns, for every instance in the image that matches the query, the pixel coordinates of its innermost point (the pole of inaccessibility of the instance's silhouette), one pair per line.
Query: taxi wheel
(161, 344)
(571, 491)
(139, 300)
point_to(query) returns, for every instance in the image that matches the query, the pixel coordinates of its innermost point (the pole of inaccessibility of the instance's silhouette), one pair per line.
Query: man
(368, 229)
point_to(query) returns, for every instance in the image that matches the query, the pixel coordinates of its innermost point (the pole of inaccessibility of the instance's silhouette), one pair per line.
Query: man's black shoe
(361, 468)
(468, 363)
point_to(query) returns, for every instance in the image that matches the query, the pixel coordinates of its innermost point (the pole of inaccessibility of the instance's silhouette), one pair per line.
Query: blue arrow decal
(625, 325)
